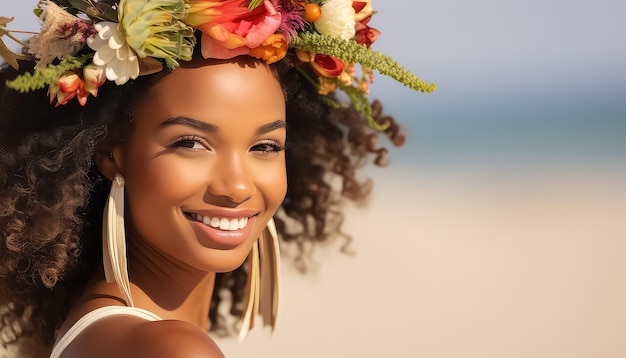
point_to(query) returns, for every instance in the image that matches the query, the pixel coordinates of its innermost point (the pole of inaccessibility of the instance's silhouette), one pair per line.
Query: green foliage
(254, 4)
(43, 77)
(358, 99)
(351, 51)
(362, 105)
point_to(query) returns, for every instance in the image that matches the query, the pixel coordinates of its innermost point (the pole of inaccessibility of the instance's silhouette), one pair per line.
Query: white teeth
(222, 223)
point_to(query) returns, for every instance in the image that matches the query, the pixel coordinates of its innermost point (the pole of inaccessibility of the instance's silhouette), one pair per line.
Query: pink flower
(226, 36)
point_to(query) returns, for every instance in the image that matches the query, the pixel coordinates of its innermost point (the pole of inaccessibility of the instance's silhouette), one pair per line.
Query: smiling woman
(189, 166)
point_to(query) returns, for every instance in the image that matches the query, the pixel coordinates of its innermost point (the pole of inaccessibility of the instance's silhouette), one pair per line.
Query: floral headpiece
(83, 43)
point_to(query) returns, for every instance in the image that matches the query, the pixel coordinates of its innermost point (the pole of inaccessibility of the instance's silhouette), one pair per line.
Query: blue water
(513, 124)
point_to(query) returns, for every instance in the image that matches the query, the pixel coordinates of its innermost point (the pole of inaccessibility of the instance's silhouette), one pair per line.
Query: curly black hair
(52, 196)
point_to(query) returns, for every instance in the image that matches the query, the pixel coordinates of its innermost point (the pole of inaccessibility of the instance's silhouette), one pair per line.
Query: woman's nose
(231, 180)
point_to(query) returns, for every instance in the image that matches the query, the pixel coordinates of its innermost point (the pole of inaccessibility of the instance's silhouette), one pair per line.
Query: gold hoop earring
(263, 281)
(114, 240)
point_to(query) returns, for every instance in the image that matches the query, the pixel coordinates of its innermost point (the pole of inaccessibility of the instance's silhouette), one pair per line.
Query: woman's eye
(191, 142)
(267, 149)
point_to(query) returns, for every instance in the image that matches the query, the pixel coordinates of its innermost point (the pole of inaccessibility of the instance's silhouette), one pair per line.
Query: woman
(188, 164)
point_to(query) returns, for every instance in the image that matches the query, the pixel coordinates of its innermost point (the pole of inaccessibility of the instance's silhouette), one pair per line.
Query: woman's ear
(107, 158)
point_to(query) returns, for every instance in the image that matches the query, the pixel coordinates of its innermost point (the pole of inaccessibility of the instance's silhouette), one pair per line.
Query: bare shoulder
(123, 337)
(172, 338)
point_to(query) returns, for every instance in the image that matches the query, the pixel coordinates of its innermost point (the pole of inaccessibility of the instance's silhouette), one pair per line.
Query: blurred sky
(520, 82)
(498, 230)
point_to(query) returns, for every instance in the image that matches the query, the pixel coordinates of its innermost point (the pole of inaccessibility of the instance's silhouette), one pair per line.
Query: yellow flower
(271, 50)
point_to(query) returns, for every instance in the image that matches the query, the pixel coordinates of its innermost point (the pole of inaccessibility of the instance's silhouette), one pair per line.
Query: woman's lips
(221, 223)
(222, 232)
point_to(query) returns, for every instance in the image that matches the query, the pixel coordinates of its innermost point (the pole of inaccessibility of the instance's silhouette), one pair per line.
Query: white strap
(94, 316)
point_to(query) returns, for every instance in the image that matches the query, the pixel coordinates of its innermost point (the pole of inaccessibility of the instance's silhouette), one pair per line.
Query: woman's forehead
(215, 92)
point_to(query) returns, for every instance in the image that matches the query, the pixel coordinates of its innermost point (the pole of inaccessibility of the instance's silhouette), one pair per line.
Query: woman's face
(205, 165)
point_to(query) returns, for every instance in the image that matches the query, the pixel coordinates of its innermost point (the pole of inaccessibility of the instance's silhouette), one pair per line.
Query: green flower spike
(43, 77)
(351, 51)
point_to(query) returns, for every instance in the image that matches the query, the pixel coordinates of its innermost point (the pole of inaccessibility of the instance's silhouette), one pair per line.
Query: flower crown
(129, 38)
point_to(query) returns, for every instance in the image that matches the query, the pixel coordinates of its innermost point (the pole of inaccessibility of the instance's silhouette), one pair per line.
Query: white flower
(338, 19)
(112, 52)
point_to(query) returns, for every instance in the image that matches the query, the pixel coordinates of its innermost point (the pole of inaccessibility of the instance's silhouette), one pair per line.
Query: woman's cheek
(176, 178)
(273, 180)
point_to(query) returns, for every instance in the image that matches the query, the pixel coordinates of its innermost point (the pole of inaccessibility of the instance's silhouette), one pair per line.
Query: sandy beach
(454, 264)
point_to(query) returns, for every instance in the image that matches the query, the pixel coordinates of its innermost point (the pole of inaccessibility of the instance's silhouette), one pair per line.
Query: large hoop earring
(263, 281)
(114, 240)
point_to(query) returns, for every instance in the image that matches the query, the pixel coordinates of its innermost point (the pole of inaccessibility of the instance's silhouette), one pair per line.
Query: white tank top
(94, 316)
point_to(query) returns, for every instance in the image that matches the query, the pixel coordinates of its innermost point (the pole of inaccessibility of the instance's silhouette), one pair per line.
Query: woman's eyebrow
(271, 126)
(190, 122)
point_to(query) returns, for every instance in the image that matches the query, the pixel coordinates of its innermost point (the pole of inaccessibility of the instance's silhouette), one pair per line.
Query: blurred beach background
(499, 229)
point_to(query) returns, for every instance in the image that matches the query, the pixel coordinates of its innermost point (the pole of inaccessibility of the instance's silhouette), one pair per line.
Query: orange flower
(70, 85)
(67, 87)
(271, 50)
(326, 87)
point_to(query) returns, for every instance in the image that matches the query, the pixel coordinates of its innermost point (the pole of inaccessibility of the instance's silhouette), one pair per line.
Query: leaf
(254, 4)
(5, 52)
(5, 20)
(107, 12)
(44, 76)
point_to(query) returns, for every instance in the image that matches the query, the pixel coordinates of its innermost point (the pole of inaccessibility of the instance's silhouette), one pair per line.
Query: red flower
(327, 66)
(364, 34)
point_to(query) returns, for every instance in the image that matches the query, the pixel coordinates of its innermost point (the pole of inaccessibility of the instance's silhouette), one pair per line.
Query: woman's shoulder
(129, 335)
(173, 338)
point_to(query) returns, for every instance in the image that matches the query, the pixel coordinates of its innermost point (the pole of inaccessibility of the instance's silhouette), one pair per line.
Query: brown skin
(235, 168)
